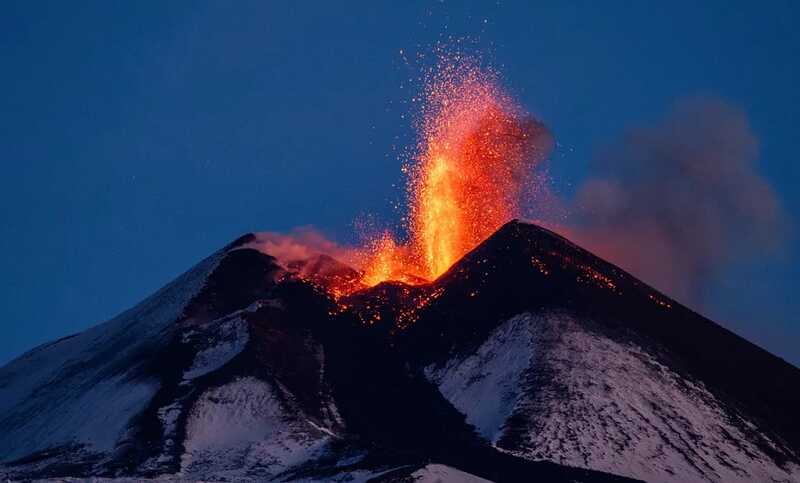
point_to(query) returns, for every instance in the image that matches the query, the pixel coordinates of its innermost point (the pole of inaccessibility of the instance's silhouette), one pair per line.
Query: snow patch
(244, 427)
(581, 398)
(435, 473)
(228, 338)
(84, 389)
(483, 386)
(614, 407)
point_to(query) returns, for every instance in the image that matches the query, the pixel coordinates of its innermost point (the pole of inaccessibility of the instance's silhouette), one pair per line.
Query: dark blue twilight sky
(138, 137)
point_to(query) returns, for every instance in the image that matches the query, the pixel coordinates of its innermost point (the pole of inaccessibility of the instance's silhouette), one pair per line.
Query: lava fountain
(473, 164)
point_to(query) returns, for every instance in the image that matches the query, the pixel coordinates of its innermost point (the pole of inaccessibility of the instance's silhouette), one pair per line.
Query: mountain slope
(561, 356)
(51, 395)
(529, 360)
(240, 369)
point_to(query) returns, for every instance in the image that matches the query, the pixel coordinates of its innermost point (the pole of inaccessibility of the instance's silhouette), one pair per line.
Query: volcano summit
(530, 359)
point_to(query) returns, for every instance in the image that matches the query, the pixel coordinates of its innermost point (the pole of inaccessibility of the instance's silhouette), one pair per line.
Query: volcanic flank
(528, 360)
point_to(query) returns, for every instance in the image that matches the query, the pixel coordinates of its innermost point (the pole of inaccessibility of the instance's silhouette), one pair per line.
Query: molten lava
(474, 161)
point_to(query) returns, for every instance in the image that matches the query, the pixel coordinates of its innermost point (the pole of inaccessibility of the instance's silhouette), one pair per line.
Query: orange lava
(474, 160)
(384, 261)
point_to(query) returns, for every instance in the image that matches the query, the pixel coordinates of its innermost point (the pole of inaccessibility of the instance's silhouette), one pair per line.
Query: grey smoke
(677, 201)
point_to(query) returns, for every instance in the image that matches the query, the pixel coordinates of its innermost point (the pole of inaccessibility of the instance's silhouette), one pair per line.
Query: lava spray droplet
(473, 163)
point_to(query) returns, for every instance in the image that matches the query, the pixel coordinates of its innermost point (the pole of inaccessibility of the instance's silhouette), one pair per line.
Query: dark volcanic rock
(529, 360)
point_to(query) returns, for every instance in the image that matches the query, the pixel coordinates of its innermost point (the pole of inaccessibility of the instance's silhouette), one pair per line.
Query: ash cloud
(681, 199)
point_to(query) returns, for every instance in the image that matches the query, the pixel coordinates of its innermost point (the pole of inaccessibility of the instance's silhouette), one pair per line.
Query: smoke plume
(681, 199)
(301, 243)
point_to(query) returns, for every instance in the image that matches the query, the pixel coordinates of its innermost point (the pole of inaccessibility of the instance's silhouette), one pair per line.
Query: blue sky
(138, 137)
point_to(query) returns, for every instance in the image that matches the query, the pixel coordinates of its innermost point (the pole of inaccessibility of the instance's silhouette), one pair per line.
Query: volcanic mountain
(530, 359)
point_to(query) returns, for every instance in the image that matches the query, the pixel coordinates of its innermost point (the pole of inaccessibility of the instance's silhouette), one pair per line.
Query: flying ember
(473, 163)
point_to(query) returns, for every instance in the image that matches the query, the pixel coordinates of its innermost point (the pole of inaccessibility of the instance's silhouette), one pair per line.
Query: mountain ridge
(307, 386)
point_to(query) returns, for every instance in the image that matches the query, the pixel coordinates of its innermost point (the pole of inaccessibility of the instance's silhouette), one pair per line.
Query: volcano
(530, 359)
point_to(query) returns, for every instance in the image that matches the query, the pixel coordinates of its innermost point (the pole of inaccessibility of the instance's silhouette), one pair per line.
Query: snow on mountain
(229, 339)
(243, 429)
(529, 360)
(484, 385)
(84, 389)
(552, 387)
(434, 473)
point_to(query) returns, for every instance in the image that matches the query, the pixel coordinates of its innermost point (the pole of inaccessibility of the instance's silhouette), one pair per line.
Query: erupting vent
(473, 162)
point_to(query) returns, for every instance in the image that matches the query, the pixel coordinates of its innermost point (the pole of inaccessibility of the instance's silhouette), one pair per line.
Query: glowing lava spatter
(474, 159)
(383, 259)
